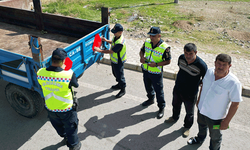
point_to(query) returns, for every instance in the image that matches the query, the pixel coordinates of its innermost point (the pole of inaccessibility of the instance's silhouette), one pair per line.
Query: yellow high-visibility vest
(154, 55)
(123, 55)
(55, 85)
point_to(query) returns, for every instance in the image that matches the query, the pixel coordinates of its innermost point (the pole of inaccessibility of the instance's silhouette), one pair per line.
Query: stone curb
(169, 74)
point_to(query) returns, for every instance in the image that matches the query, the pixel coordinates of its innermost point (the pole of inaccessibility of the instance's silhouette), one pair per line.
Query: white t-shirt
(216, 96)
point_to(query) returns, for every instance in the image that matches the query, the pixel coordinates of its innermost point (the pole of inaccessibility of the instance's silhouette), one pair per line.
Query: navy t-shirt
(189, 75)
(73, 81)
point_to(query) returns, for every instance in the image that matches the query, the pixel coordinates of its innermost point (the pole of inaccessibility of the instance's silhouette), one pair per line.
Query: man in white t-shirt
(218, 102)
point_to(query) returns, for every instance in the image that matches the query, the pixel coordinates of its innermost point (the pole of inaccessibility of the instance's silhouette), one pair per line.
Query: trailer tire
(24, 101)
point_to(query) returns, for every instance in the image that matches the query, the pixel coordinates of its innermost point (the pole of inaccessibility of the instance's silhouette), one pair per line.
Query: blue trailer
(23, 91)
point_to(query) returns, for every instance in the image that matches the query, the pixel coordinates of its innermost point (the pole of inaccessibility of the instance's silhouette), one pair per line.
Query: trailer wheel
(24, 101)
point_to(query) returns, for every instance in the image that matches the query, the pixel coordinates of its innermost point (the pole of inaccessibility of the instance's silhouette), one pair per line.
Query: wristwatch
(156, 65)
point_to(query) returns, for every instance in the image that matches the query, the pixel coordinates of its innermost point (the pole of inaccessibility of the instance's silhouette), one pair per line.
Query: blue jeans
(215, 134)
(117, 70)
(154, 84)
(66, 124)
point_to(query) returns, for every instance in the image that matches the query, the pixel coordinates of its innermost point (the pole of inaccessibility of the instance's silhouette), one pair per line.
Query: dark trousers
(189, 103)
(215, 134)
(117, 70)
(154, 84)
(66, 124)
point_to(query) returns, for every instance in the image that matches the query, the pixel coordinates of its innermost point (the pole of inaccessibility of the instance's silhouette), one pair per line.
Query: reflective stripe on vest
(57, 97)
(123, 55)
(55, 89)
(154, 55)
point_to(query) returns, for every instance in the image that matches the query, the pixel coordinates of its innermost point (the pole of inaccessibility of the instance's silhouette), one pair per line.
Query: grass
(162, 13)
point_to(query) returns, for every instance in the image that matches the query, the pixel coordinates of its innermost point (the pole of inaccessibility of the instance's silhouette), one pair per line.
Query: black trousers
(118, 72)
(215, 134)
(154, 84)
(189, 103)
(66, 124)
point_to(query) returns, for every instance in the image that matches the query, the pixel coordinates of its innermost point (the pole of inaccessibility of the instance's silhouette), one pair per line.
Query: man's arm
(232, 110)
(73, 81)
(166, 59)
(142, 52)
(163, 63)
(103, 51)
(198, 100)
(142, 58)
(106, 40)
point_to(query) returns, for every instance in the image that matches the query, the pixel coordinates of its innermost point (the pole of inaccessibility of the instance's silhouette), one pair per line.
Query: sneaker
(77, 147)
(121, 93)
(147, 103)
(185, 132)
(160, 113)
(170, 120)
(194, 140)
(115, 87)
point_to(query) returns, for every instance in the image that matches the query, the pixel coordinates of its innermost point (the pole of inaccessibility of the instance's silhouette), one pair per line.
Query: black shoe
(121, 93)
(77, 147)
(194, 140)
(160, 113)
(148, 102)
(115, 87)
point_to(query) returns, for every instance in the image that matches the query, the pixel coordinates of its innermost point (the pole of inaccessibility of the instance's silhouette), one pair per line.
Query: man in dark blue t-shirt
(191, 71)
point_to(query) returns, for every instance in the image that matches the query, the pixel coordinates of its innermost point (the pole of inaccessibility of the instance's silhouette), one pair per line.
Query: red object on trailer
(97, 41)
(68, 63)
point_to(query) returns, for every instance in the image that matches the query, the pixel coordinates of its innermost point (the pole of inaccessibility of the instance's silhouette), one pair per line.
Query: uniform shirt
(216, 96)
(189, 75)
(165, 56)
(117, 49)
(73, 81)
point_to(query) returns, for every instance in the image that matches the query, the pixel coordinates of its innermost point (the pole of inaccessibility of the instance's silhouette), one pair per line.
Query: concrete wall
(21, 4)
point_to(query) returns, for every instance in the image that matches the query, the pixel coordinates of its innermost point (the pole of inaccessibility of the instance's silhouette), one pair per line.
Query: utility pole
(176, 1)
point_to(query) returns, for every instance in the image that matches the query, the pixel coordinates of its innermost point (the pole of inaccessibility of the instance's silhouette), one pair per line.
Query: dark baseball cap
(118, 27)
(59, 54)
(154, 31)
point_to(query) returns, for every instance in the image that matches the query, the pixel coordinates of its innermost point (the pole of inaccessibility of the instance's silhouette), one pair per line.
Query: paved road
(107, 123)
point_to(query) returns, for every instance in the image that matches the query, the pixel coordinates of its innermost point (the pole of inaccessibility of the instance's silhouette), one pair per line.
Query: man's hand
(152, 64)
(103, 39)
(63, 66)
(231, 112)
(142, 60)
(75, 104)
(224, 125)
(97, 49)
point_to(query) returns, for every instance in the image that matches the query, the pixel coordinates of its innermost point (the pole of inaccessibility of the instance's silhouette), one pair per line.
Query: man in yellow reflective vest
(154, 54)
(118, 57)
(56, 84)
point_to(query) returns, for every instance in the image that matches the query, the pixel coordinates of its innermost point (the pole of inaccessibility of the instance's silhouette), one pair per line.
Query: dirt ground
(231, 16)
(229, 19)
(15, 39)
